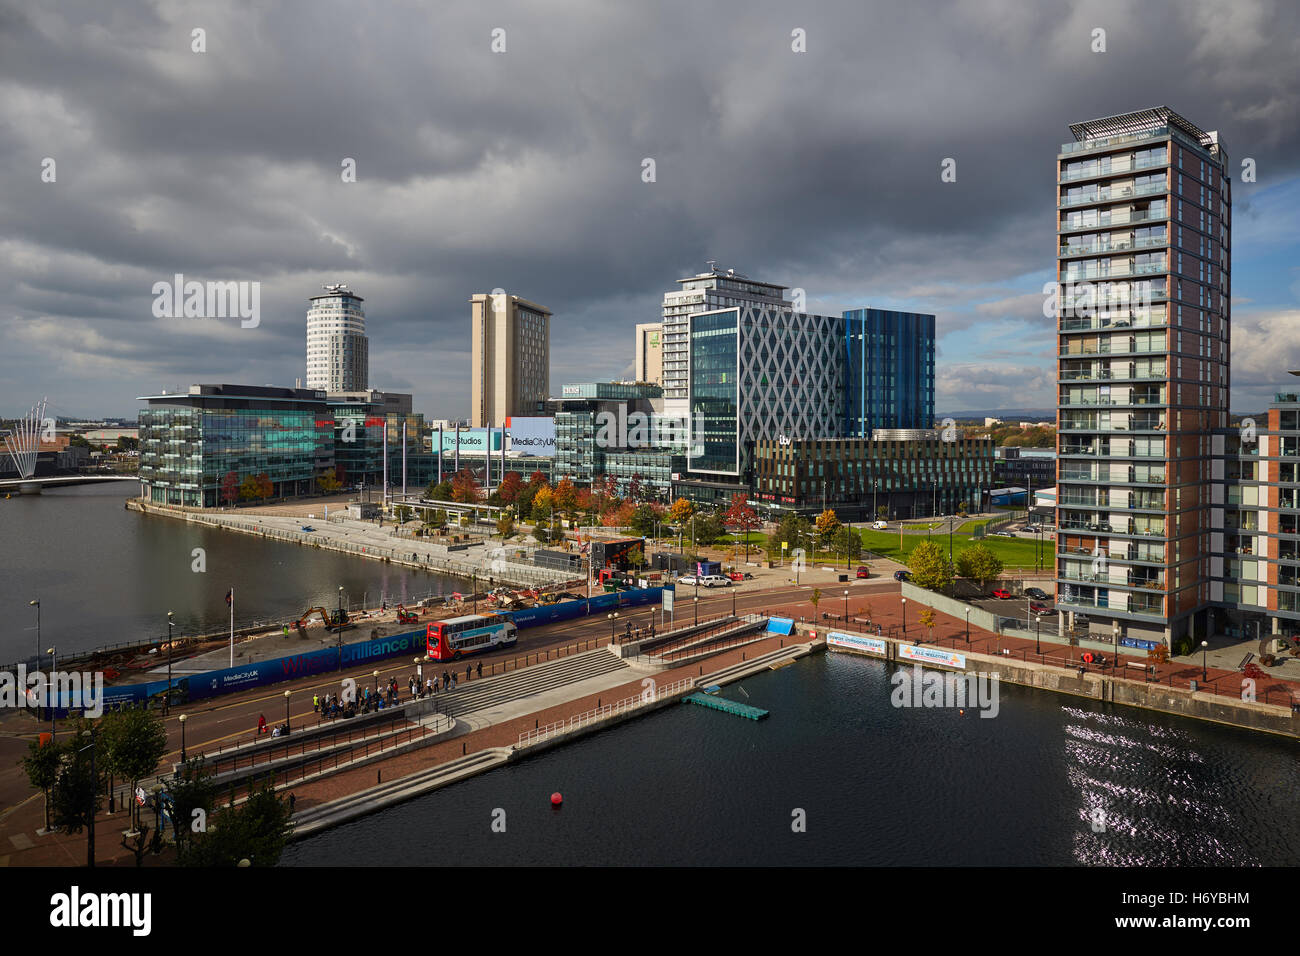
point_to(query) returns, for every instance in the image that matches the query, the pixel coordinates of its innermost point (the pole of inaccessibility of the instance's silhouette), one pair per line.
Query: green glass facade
(714, 398)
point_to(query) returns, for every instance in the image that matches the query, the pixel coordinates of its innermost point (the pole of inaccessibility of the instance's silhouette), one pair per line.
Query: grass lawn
(1014, 552)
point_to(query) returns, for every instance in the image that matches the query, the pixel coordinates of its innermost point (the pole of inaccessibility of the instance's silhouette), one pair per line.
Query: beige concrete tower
(511, 357)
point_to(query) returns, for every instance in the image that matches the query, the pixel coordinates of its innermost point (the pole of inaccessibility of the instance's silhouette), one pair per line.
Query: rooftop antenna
(713, 265)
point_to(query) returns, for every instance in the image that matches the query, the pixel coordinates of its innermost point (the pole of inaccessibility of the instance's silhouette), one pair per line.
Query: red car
(1002, 594)
(863, 572)
(736, 575)
(1038, 607)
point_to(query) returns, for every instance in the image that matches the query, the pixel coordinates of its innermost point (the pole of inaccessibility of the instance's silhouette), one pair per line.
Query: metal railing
(652, 694)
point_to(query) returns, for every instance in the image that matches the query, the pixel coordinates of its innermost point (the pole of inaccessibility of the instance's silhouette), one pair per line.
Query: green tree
(793, 530)
(132, 741)
(847, 543)
(930, 567)
(190, 790)
(42, 764)
(708, 529)
(75, 797)
(250, 488)
(643, 520)
(815, 598)
(256, 831)
(506, 525)
(979, 564)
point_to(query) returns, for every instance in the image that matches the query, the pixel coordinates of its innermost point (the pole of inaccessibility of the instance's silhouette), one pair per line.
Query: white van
(716, 581)
(881, 526)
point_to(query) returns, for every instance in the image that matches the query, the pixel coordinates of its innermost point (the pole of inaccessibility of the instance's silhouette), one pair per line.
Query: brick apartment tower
(1144, 216)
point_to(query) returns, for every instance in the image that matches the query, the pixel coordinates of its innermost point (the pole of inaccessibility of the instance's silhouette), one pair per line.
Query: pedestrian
(261, 723)
(467, 672)
(453, 681)
(315, 702)
(480, 668)
(292, 801)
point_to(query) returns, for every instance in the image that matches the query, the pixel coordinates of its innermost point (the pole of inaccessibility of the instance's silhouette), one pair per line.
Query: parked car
(864, 572)
(1004, 534)
(688, 579)
(308, 527)
(716, 581)
(902, 575)
(1001, 594)
(1038, 594)
(881, 525)
(735, 576)
(1038, 607)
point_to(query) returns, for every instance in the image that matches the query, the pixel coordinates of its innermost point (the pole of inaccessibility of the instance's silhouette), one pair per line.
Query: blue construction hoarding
(260, 673)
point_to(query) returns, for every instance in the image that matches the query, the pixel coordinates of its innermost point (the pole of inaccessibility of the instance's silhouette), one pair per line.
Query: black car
(902, 575)
(1038, 594)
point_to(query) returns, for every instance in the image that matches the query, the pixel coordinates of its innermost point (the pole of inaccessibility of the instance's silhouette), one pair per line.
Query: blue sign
(780, 625)
(1139, 643)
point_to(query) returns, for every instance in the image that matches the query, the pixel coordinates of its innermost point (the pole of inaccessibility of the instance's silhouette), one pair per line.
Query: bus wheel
(456, 656)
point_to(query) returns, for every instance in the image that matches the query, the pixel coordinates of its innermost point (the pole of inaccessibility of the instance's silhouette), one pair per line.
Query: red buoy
(556, 799)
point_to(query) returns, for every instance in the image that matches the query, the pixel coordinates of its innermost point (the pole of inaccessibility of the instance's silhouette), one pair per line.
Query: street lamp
(167, 697)
(375, 674)
(37, 604)
(968, 624)
(612, 616)
(697, 609)
(733, 600)
(1114, 630)
(339, 619)
(846, 605)
(1038, 630)
(1205, 647)
(183, 718)
(54, 666)
(286, 709)
(904, 600)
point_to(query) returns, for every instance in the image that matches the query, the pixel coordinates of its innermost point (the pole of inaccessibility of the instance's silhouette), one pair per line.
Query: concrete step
(528, 682)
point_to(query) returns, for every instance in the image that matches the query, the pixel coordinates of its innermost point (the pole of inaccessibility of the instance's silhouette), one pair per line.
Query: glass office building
(714, 391)
(889, 371)
(190, 442)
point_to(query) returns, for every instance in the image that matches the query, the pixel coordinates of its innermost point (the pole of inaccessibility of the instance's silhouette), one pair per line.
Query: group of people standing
(331, 705)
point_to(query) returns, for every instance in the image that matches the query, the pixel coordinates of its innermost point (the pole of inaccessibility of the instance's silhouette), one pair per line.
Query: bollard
(379, 776)
(462, 749)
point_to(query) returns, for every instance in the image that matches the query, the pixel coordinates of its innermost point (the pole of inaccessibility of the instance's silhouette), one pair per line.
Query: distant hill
(1006, 414)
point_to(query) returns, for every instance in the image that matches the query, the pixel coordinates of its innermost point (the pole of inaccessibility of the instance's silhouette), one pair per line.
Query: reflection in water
(881, 786)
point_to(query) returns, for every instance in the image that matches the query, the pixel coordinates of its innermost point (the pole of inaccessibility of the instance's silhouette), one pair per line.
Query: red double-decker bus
(455, 637)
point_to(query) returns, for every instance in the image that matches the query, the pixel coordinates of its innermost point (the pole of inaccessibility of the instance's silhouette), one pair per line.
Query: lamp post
(697, 609)
(968, 625)
(733, 600)
(612, 616)
(182, 720)
(846, 605)
(375, 674)
(94, 794)
(1038, 630)
(1114, 631)
(287, 693)
(37, 604)
(904, 600)
(1205, 649)
(167, 697)
(54, 666)
(340, 616)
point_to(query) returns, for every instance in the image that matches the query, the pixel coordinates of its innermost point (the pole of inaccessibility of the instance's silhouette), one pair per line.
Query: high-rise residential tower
(338, 352)
(649, 354)
(1144, 282)
(510, 371)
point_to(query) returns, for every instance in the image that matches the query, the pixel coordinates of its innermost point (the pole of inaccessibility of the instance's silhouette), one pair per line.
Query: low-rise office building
(886, 475)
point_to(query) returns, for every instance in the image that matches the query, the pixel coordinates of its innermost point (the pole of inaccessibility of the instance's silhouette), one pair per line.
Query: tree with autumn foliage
(265, 487)
(565, 497)
(681, 511)
(828, 522)
(230, 488)
(464, 487)
(742, 517)
(508, 490)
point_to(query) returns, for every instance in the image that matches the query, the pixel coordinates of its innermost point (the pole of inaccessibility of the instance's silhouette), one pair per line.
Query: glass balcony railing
(1112, 194)
(1133, 320)
(1095, 170)
(1105, 142)
(1115, 270)
(1113, 247)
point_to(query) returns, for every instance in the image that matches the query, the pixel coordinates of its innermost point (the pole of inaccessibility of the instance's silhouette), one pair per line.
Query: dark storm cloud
(522, 170)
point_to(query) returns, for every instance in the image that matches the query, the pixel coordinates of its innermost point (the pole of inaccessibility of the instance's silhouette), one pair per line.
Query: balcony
(1107, 142)
(1134, 320)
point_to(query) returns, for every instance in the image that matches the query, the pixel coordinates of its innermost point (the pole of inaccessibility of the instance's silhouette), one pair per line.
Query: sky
(522, 168)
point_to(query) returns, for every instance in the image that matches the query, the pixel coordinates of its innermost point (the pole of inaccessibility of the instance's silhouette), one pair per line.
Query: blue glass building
(889, 371)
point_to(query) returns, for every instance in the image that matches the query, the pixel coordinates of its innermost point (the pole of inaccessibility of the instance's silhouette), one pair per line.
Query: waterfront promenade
(228, 721)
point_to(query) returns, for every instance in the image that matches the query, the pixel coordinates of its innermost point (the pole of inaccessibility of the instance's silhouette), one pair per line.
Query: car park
(1001, 594)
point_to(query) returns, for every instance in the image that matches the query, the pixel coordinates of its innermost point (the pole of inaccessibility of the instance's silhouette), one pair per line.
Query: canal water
(105, 575)
(878, 785)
